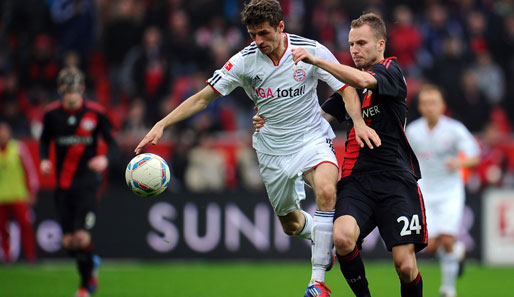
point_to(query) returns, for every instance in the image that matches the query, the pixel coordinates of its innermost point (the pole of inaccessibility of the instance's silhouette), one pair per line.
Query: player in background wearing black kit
(378, 186)
(74, 125)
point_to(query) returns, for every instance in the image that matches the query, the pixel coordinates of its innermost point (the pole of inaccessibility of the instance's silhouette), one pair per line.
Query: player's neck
(279, 51)
(432, 123)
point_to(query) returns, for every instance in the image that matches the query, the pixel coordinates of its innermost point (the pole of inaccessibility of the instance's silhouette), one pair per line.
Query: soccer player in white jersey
(296, 144)
(437, 141)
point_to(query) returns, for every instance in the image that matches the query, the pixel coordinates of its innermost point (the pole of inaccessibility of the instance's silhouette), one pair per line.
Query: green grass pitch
(234, 279)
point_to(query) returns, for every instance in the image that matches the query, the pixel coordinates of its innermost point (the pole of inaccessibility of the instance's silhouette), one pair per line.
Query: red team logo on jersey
(299, 75)
(228, 66)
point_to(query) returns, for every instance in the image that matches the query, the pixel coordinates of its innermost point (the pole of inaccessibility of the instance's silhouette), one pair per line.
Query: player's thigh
(86, 201)
(400, 211)
(284, 191)
(353, 201)
(323, 179)
(22, 213)
(66, 208)
(444, 215)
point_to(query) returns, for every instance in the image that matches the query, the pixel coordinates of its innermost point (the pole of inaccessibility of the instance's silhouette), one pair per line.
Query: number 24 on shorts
(409, 227)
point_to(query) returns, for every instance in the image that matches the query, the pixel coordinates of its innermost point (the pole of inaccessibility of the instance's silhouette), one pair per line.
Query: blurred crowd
(144, 57)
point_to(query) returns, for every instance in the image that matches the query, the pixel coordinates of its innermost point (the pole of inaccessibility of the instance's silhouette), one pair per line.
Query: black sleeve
(334, 106)
(390, 81)
(46, 137)
(106, 132)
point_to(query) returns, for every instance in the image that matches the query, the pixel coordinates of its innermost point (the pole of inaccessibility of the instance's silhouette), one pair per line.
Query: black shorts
(76, 208)
(390, 201)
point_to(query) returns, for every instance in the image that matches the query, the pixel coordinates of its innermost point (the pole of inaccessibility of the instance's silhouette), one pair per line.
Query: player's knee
(291, 228)
(406, 269)
(67, 241)
(81, 239)
(344, 241)
(326, 196)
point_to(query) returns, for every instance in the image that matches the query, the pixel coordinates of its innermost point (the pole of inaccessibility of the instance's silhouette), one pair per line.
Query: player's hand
(453, 164)
(301, 54)
(257, 121)
(152, 136)
(98, 163)
(45, 167)
(366, 136)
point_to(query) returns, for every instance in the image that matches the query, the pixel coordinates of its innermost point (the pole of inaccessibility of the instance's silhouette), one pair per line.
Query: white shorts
(283, 174)
(444, 211)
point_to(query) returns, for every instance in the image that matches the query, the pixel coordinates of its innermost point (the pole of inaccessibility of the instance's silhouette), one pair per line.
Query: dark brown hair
(257, 12)
(374, 21)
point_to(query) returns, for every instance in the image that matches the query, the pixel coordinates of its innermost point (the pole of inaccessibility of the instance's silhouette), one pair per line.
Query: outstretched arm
(186, 109)
(349, 75)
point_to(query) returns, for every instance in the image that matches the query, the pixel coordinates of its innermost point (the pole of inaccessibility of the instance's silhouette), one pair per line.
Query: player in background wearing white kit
(437, 141)
(296, 143)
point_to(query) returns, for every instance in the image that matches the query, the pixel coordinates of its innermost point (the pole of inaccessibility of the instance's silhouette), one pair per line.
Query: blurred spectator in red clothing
(42, 67)
(148, 70)
(15, 107)
(405, 39)
(493, 167)
(18, 188)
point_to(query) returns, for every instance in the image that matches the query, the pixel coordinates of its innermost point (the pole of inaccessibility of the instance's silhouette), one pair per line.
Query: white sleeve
(323, 53)
(228, 77)
(466, 143)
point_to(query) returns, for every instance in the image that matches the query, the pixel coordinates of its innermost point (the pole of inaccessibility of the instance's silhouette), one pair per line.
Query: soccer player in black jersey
(378, 186)
(75, 125)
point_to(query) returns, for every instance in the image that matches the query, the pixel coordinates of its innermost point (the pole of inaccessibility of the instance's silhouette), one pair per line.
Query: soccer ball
(147, 175)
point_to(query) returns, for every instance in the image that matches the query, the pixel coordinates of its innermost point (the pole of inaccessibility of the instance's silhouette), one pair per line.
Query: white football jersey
(433, 147)
(284, 93)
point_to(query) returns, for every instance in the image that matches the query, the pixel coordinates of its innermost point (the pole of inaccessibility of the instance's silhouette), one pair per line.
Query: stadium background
(143, 57)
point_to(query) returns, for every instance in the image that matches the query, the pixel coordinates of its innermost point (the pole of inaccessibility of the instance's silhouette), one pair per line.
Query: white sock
(449, 269)
(322, 244)
(307, 228)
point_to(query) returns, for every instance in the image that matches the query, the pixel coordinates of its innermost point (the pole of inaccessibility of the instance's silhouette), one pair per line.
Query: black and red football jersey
(75, 135)
(385, 110)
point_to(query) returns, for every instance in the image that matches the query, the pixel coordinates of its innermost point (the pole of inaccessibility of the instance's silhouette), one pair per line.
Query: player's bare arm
(349, 75)
(363, 134)
(186, 109)
(455, 164)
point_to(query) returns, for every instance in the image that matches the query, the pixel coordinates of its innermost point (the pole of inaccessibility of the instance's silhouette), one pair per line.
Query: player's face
(72, 100)
(267, 38)
(365, 47)
(431, 105)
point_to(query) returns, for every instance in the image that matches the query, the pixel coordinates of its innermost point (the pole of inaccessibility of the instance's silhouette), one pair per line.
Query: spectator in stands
(206, 166)
(474, 109)
(492, 80)
(18, 189)
(405, 39)
(149, 71)
(494, 162)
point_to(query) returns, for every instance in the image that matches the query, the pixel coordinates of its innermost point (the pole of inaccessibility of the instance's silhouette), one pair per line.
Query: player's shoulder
(389, 64)
(52, 107)
(94, 106)
(453, 123)
(300, 41)
(250, 50)
(415, 125)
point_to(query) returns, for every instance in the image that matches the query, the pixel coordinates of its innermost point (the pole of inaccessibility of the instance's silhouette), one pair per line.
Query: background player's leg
(22, 213)
(84, 256)
(449, 258)
(4, 232)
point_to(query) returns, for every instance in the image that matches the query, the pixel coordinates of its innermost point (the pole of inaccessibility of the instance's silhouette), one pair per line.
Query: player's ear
(280, 27)
(381, 45)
